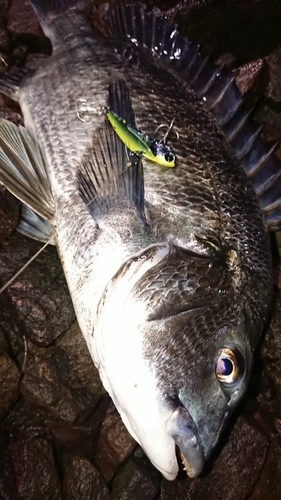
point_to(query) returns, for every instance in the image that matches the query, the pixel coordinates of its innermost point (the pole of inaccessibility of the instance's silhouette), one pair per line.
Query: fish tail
(47, 10)
(61, 20)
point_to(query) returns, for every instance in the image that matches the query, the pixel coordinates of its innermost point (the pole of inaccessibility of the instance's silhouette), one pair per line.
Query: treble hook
(168, 131)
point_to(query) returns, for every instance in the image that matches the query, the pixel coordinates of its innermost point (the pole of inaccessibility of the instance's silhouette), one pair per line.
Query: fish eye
(169, 157)
(227, 367)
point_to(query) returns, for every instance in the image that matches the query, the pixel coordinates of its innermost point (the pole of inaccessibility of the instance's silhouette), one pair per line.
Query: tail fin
(61, 20)
(47, 10)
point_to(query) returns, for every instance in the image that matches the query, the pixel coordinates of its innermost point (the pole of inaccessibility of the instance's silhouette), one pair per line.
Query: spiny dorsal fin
(23, 169)
(154, 32)
(120, 101)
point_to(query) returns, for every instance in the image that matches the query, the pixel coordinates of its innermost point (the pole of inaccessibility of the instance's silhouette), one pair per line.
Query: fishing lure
(138, 142)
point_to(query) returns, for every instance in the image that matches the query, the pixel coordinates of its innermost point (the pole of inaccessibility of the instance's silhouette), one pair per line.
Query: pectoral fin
(23, 171)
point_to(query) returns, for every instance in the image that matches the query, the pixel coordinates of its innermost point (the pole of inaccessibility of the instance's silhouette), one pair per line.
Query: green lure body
(138, 142)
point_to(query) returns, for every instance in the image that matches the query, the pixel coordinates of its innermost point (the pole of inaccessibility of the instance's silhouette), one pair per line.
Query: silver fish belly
(171, 287)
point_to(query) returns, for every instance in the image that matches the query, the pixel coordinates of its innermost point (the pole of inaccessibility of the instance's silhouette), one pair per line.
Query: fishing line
(26, 265)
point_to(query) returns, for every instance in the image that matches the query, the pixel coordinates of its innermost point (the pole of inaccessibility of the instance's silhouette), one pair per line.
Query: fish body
(171, 287)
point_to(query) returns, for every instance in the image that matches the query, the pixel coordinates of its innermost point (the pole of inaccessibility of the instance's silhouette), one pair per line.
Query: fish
(138, 142)
(169, 269)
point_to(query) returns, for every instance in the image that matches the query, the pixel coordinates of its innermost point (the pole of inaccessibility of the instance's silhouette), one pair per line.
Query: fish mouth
(190, 470)
(184, 433)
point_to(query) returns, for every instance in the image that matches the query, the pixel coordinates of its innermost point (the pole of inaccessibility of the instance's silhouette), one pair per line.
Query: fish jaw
(153, 420)
(183, 430)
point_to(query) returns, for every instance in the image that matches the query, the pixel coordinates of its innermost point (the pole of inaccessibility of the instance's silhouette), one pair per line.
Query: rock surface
(60, 435)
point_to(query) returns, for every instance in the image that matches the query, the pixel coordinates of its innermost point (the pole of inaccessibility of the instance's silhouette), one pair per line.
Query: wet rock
(136, 479)
(9, 383)
(49, 382)
(29, 421)
(252, 80)
(22, 19)
(82, 371)
(4, 346)
(4, 47)
(114, 444)
(274, 65)
(12, 114)
(81, 479)
(8, 489)
(26, 421)
(35, 470)
(40, 295)
(268, 484)
(271, 349)
(9, 213)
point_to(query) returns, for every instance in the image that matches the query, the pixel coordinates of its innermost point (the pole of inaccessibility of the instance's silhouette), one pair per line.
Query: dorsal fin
(155, 33)
(110, 174)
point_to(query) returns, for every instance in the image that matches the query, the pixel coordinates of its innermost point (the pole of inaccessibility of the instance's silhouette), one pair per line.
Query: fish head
(174, 354)
(201, 377)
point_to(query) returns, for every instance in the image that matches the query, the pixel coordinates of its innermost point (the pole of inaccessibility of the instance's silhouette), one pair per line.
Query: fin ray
(34, 226)
(23, 169)
(177, 54)
(10, 82)
(110, 172)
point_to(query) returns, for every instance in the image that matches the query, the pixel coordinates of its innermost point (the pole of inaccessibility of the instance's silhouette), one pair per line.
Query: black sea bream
(169, 269)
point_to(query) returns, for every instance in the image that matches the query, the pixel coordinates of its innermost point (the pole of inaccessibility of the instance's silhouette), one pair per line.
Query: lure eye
(227, 367)
(169, 157)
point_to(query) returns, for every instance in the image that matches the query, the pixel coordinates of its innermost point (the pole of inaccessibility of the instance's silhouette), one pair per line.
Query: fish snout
(182, 429)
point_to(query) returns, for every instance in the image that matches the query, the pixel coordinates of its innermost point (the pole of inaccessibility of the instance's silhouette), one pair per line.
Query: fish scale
(169, 269)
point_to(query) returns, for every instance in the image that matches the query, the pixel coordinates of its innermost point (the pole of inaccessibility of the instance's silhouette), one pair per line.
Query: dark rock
(114, 444)
(252, 80)
(4, 346)
(13, 115)
(50, 383)
(9, 383)
(136, 479)
(22, 19)
(9, 213)
(4, 47)
(274, 65)
(8, 489)
(27, 421)
(39, 295)
(82, 371)
(81, 479)
(35, 470)
(30, 421)
(269, 482)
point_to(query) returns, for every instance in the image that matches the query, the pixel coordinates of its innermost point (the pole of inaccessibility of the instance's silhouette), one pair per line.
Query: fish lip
(184, 433)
